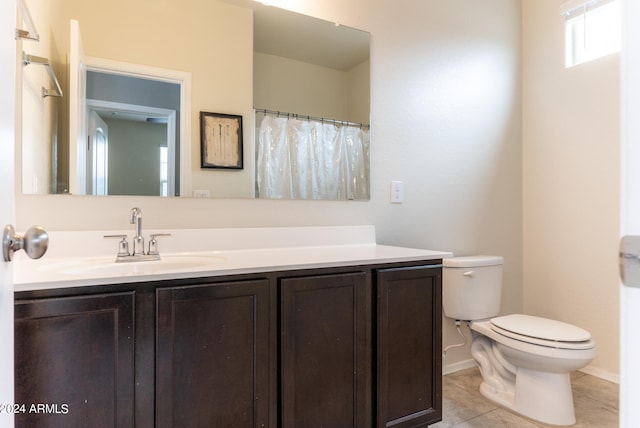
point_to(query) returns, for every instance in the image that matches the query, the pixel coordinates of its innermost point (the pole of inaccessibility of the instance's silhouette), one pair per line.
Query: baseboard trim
(456, 367)
(602, 374)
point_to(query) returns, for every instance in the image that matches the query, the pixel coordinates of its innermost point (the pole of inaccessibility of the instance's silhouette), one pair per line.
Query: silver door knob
(34, 242)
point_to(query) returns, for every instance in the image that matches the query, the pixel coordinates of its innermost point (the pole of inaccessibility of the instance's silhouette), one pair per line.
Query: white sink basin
(102, 266)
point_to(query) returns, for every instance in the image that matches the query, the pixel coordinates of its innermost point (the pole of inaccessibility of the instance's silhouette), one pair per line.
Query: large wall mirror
(280, 71)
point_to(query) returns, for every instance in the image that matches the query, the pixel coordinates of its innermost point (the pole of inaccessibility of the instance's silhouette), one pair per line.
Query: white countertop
(237, 251)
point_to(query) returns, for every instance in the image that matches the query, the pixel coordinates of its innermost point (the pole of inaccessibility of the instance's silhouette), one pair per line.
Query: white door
(630, 213)
(7, 189)
(77, 112)
(97, 156)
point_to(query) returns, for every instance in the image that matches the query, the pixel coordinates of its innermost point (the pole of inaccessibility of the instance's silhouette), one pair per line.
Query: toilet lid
(542, 331)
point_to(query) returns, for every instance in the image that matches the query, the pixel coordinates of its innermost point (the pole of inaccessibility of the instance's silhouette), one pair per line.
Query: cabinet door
(213, 355)
(325, 368)
(409, 342)
(74, 361)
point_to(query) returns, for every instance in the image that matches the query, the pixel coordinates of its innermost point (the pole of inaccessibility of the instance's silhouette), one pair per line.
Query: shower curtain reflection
(309, 159)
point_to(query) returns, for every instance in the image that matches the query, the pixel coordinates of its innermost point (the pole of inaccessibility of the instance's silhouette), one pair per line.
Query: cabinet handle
(34, 242)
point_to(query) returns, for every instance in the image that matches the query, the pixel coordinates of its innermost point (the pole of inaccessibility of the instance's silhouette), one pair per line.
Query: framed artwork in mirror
(220, 140)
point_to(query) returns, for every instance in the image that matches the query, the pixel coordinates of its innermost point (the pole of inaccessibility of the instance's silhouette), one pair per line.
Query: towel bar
(32, 59)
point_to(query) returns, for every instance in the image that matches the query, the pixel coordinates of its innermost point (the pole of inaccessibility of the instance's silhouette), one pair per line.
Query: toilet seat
(548, 349)
(542, 331)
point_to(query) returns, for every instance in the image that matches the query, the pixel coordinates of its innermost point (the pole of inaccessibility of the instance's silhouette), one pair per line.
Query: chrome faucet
(138, 254)
(138, 240)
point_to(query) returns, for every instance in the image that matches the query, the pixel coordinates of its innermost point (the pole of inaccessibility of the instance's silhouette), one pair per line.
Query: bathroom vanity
(335, 332)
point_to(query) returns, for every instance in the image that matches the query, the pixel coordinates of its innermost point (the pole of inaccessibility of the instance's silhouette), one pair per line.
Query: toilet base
(545, 397)
(529, 379)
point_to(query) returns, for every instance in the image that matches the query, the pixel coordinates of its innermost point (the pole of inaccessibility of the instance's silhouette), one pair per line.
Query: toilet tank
(472, 287)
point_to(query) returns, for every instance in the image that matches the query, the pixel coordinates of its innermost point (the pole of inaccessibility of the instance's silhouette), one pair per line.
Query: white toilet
(524, 360)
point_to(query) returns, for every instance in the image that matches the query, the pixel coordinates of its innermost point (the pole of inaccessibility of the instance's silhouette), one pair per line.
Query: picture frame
(221, 144)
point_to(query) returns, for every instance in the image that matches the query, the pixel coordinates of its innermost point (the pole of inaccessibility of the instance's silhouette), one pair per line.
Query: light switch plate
(201, 193)
(397, 192)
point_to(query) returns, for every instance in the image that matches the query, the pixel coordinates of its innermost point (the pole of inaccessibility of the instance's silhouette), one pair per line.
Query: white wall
(446, 119)
(571, 184)
(446, 85)
(134, 166)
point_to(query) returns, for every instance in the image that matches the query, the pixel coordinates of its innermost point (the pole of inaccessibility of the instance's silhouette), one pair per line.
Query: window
(164, 171)
(592, 29)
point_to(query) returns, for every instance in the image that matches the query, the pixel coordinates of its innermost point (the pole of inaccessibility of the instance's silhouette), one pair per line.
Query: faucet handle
(123, 245)
(153, 244)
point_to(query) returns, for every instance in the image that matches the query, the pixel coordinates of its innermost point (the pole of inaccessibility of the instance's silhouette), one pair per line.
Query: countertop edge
(248, 262)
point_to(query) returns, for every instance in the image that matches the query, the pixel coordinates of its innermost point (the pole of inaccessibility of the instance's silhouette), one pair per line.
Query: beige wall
(288, 85)
(39, 124)
(446, 120)
(209, 39)
(359, 79)
(571, 183)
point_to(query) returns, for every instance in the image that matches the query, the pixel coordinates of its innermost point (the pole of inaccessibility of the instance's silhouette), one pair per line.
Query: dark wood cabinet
(213, 355)
(74, 363)
(408, 350)
(325, 368)
(351, 346)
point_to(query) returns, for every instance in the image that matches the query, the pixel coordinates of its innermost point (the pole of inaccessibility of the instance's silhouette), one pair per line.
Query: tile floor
(595, 401)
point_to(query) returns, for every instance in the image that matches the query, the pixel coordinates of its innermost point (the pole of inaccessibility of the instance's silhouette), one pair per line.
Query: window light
(164, 168)
(592, 29)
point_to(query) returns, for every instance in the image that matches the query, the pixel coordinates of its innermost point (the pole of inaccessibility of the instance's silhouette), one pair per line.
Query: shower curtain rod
(318, 119)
